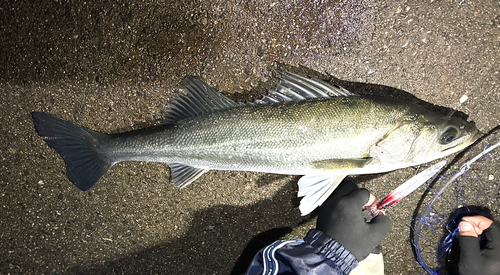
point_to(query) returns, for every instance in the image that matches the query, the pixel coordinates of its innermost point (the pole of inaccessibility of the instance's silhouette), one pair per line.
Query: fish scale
(305, 127)
(310, 129)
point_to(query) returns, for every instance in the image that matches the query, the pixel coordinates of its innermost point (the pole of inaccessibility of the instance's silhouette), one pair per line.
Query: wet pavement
(113, 67)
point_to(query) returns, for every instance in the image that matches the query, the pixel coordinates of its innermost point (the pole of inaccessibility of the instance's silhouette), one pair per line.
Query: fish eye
(448, 135)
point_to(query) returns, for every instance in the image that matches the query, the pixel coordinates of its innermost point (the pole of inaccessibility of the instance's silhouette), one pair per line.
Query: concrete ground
(113, 67)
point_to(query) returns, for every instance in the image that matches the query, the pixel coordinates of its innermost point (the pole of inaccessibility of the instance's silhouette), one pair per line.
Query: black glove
(480, 258)
(342, 219)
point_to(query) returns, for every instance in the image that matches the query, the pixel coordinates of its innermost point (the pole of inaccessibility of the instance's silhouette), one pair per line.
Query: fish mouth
(476, 136)
(473, 138)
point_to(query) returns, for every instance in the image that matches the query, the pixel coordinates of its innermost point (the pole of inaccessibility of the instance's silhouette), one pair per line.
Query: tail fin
(78, 146)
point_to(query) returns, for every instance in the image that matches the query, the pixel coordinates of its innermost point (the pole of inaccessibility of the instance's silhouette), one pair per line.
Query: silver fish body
(303, 129)
(290, 138)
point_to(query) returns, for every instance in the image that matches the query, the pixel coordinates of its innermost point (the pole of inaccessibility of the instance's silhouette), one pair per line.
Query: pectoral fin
(315, 189)
(341, 164)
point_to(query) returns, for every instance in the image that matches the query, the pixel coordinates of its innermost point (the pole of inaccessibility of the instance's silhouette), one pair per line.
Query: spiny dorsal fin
(196, 98)
(274, 97)
(311, 88)
(294, 87)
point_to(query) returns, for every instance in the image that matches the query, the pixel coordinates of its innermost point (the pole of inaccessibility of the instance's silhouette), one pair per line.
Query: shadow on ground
(215, 233)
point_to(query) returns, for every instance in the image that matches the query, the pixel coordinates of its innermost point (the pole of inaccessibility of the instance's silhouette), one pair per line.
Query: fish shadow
(233, 233)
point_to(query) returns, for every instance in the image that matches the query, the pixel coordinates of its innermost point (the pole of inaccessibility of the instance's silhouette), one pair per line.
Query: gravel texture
(113, 66)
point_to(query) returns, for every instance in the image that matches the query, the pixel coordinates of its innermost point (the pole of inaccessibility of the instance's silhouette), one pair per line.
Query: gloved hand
(476, 257)
(341, 218)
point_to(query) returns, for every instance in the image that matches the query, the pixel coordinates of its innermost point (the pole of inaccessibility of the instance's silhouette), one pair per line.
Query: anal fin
(183, 175)
(315, 189)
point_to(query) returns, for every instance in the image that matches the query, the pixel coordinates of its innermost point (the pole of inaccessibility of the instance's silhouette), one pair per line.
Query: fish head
(422, 136)
(440, 136)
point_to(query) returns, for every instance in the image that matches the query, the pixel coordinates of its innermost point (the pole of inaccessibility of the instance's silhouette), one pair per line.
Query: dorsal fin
(274, 97)
(196, 98)
(294, 87)
(310, 88)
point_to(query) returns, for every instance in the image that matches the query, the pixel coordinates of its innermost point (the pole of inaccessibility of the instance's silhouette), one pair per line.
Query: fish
(304, 127)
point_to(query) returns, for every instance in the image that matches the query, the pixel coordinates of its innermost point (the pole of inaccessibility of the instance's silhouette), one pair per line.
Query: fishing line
(426, 218)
